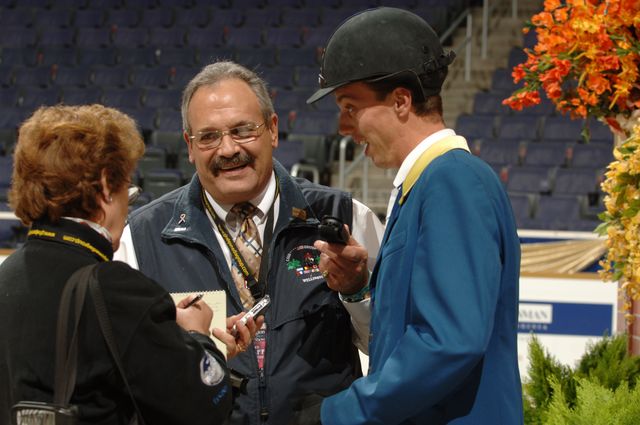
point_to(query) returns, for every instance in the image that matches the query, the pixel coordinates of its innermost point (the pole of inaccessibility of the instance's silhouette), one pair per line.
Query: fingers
(238, 341)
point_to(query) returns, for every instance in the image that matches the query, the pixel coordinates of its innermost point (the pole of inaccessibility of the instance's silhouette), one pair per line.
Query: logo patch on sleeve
(211, 372)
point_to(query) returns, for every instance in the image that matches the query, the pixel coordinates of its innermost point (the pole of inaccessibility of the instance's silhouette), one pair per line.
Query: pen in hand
(194, 300)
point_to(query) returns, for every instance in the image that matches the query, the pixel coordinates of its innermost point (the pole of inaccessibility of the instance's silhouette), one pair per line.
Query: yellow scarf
(438, 148)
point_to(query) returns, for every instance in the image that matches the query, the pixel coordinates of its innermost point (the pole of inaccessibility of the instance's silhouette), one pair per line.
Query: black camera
(332, 230)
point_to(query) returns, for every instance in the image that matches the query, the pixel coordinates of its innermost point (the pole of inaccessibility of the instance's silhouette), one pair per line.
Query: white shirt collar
(263, 202)
(413, 156)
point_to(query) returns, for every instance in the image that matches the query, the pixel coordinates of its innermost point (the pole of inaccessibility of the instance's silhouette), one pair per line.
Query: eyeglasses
(134, 193)
(212, 139)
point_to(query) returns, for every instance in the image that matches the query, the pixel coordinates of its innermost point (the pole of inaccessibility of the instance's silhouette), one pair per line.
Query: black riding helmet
(379, 43)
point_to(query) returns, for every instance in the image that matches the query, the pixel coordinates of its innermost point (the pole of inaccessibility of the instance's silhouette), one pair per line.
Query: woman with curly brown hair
(72, 186)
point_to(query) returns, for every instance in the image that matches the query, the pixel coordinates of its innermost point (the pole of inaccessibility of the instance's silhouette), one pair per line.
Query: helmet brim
(322, 93)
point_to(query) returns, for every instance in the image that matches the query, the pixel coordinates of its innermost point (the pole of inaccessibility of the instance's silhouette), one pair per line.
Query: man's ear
(273, 129)
(187, 140)
(401, 101)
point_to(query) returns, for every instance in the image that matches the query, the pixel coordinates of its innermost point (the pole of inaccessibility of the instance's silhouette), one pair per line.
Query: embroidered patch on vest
(211, 372)
(303, 261)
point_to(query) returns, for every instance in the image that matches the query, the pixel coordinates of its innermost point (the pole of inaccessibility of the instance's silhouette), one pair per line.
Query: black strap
(67, 352)
(107, 332)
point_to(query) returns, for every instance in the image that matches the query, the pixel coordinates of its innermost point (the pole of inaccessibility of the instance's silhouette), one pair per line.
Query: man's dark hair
(432, 105)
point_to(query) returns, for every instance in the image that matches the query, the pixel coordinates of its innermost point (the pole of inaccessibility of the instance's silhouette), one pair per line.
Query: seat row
(548, 128)
(568, 213)
(554, 181)
(518, 152)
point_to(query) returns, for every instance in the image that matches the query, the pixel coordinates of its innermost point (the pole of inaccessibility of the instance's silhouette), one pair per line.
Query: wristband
(357, 297)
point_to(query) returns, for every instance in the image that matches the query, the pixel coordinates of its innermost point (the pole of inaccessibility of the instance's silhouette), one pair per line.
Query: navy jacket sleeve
(176, 377)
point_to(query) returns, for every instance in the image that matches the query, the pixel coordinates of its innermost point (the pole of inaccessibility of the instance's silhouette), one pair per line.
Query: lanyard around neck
(257, 287)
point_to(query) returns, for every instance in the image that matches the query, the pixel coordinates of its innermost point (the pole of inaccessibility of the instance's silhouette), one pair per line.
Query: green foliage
(544, 370)
(601, 390)
(608, 363)
(596, 405)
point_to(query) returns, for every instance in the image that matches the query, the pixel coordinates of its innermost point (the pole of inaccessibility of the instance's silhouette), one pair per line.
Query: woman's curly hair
(60, 156)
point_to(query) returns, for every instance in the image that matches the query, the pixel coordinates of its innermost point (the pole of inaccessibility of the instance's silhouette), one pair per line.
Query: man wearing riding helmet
(444, 291)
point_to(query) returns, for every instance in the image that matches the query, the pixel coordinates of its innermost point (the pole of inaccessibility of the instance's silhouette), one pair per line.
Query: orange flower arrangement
(587, 60)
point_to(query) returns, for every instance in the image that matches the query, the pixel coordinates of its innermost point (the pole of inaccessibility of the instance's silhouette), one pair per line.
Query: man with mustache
(186, 240)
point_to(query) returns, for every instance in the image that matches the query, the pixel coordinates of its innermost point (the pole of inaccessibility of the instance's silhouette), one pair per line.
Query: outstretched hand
(238, 341)
(344, 267)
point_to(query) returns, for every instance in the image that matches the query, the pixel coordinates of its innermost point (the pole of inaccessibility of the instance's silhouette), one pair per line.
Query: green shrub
(604, 381)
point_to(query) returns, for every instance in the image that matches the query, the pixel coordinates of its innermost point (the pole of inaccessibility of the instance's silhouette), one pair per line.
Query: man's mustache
(221, 163)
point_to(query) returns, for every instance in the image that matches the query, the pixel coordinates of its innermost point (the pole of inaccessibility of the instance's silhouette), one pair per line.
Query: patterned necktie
(249, 247)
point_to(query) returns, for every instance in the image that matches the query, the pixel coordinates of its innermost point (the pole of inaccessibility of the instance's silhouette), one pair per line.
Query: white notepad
(217, 300)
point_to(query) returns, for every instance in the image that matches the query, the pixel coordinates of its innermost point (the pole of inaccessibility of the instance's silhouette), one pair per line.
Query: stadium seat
(89, 37)
(561, 128)
(34, 97)
(184, 56)
(576, 181)
(315, 123)
(534, 180)
(545, 154)
(18, 36)
(498, 153)
(561, 213)
(129, 97)
(154, 158)
(19, 56)
(81, 95)
(283, 37)
(159, 182)
(9, 96)
(195, 17)
(126, 17)
(109, 76)
(130, 37)
(308, 16)
(502, 81)
(161, 17)
(58, 55)
(244, 37)
(62, 37)
(138, 56)
(167, 37)
(521, 204)
(261, 18)
(256, 58)
(92, 56)
(289, 152)
(298, 56)
(279, 76)
(36, 77)
(476, 126)
(72, 76)
(155, 97)
(488, 103)
(158, 76)
(60, 17)
(519, 127)
(168, 119)
(89, 18)
(591, 155)
(205, 37)
(170, 141)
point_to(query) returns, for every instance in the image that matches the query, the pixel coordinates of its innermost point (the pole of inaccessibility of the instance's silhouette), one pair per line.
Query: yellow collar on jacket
(438, 148)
